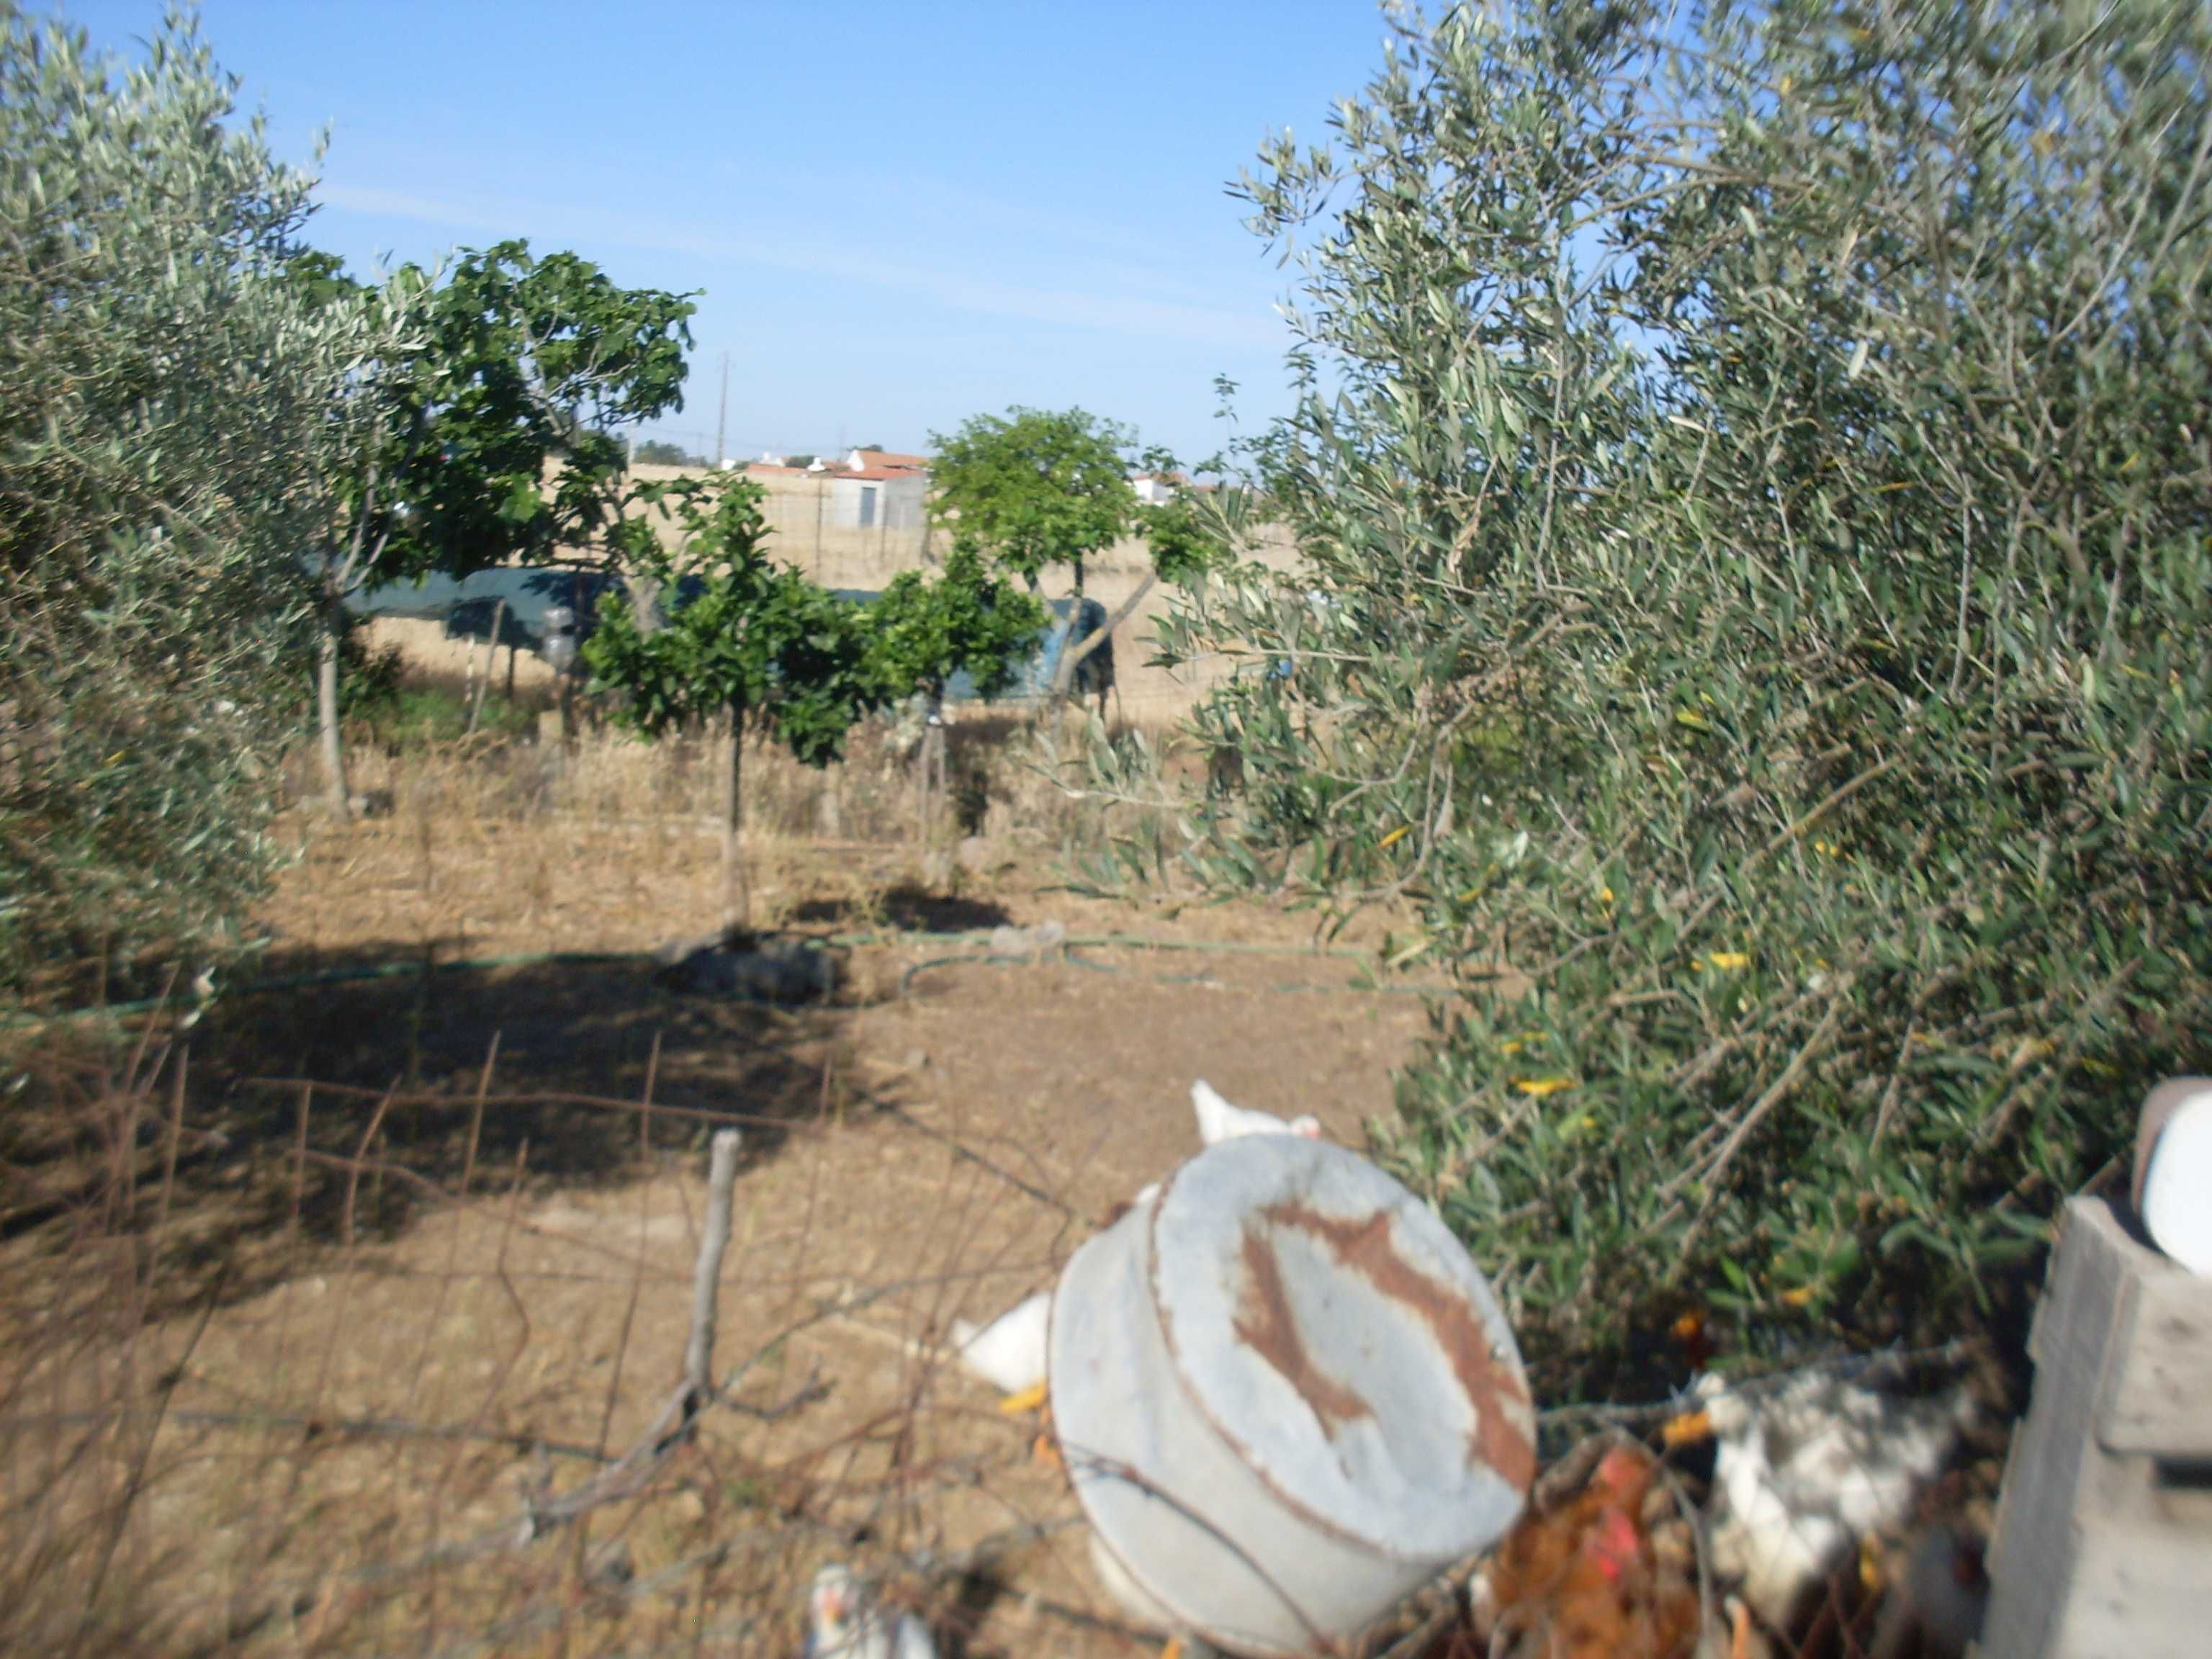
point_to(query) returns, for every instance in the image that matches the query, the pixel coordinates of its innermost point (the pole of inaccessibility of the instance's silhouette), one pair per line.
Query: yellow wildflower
(1027, 1399)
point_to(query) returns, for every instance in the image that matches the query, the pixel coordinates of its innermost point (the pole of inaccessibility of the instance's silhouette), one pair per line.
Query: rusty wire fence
(371, 1385)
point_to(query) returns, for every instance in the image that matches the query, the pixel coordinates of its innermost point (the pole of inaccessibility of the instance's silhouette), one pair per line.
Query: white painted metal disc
(2177, 1187)
(1336, 1334)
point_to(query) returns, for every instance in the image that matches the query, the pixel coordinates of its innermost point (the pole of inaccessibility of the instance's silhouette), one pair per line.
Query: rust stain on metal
(1265, 1325)
(1364, 1246)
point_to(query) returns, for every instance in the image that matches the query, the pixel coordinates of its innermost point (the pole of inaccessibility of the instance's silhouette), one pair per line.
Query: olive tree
(1752, 477)
(171, 401)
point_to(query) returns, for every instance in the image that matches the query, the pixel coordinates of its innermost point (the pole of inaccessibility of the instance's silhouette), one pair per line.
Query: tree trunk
(1063, 675)
(491, 654)
(736, 894)
(1072, 658)
(652, 613)
(327, 710)
(932, 764)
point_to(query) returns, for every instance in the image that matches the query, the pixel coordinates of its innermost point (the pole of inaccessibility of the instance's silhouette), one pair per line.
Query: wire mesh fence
(378, 1387)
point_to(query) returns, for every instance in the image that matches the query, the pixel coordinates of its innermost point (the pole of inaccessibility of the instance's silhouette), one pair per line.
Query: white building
(875, 489)
(861, 460)
(1157, 489)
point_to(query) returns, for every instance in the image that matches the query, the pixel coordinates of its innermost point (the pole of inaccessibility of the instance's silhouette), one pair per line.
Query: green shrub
(372, 683)
(1754, 483)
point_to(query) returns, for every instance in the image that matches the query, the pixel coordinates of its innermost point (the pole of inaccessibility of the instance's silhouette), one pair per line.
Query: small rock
(775, 970)
(1033, 943)
(916, 1059)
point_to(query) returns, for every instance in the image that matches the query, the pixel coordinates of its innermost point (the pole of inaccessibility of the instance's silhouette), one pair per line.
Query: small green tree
(743, 639)
(657, 452)
(963, 620)
(497, 428)
(1040, 488)
(926, 631)
(1035, 488)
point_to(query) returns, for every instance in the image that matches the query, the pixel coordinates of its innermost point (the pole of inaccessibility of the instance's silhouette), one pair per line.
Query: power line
(722, 419)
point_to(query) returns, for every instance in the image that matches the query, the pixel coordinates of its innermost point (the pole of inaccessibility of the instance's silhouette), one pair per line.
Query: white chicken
(1009, 1352)
(844, 1622)
(1803, 1471)
(1218, 1121)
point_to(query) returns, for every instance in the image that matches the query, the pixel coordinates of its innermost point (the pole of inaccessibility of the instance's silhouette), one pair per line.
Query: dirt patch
(456, 1270)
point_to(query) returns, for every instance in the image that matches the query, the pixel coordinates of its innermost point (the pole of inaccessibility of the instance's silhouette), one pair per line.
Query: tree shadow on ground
(348, 1108)
(909, 909)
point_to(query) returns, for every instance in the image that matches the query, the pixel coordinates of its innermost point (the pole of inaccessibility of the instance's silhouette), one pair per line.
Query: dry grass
(1003, 775)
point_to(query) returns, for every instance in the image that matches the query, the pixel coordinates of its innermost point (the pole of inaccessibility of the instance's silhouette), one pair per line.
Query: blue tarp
(466, 606)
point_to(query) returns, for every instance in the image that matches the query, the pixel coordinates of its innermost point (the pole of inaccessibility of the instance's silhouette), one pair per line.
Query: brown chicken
(1579, 1579)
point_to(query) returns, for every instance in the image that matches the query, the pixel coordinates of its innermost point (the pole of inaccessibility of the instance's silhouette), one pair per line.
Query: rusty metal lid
(1329, 1327)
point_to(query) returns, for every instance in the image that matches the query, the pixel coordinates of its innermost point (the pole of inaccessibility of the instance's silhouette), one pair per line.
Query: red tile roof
(875, 457)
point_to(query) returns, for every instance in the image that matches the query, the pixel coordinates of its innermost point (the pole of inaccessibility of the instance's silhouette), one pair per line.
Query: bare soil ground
(456, 1269)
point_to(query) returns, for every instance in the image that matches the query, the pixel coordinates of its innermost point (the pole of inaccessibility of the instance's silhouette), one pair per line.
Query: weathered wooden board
(2138, 1592)
(2158, 1386)
(2103, 1535)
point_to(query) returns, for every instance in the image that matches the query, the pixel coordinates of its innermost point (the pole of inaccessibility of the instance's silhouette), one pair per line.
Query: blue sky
(900, 216)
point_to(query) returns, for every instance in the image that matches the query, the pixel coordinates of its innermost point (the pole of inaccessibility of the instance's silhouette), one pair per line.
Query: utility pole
(722, 420)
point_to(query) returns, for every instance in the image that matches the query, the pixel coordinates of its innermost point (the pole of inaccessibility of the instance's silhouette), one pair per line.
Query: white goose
(1009, 1352)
